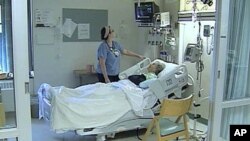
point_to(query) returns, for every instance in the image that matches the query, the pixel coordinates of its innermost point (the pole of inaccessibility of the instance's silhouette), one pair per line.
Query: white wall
(54, 63)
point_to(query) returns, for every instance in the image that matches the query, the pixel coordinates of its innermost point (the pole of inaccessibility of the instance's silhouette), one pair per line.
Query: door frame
(21, 75)
(217, 83)
(217, 104)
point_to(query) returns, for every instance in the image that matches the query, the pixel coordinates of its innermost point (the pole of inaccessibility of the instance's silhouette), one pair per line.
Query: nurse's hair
(105, 32)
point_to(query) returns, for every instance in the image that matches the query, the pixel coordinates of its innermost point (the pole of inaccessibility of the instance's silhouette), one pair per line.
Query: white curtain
(237, 84)
(6, 37)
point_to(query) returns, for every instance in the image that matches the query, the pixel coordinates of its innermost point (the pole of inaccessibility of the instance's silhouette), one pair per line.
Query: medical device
(144, 12)
(172, 82)
(208, 2)
(195, 9)
(196, 54)
(207, 32)
(192, 53)
(161, 19)
(161, 38)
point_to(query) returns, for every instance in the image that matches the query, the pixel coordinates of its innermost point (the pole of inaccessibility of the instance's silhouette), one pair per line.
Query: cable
(211, 46)
(199, 28)
(209, 49)
(199, 66)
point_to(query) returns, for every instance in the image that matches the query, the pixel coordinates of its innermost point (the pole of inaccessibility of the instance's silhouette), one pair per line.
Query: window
(5, 36)
(1, 34)
(31, 50)
(1, 19)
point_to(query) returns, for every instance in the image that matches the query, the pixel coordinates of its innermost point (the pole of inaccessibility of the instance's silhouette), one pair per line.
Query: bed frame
(173, 84)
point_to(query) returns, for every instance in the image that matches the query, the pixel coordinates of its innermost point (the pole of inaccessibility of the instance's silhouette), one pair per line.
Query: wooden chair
(2, 115)
(167, 129)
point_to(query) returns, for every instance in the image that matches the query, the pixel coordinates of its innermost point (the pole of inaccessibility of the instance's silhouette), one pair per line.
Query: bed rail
(139, 68)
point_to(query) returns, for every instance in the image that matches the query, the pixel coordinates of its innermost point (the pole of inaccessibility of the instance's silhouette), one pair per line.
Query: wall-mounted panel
(83, 25)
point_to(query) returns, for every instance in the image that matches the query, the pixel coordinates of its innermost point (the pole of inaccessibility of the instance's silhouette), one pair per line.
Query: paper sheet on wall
(45, 18)
(46, 36)
(69, 27)
(83, 31)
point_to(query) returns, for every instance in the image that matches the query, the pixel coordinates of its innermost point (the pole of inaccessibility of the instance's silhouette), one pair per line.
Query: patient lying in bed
(142, 80)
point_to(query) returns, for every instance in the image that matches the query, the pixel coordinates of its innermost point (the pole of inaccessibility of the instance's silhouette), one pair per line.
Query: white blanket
(94, 105)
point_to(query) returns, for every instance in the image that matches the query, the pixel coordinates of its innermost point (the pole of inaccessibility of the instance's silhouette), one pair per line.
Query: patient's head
(155, 68)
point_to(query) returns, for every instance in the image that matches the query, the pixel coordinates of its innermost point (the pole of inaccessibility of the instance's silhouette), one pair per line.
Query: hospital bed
(172, 82)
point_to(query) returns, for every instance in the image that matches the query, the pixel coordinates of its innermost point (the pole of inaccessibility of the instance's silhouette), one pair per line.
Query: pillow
(163, 63)
(145, 84)
(168, 68)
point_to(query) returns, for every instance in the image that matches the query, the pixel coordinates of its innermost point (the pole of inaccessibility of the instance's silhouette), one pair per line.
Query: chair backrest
(2, 115)
(176, 107)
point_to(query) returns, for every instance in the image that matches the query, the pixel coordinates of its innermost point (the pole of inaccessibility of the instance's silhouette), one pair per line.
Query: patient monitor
(192, 53)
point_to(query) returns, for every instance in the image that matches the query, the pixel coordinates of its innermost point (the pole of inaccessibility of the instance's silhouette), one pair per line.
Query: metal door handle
(27, 87)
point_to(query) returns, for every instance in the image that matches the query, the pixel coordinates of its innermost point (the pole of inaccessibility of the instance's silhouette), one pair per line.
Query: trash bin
(34, 103)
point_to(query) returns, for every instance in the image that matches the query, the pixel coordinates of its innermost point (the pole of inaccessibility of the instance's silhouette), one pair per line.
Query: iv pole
(199, 68)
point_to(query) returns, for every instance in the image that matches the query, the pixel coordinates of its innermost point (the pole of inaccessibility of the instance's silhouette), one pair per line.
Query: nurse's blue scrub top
(112, 55)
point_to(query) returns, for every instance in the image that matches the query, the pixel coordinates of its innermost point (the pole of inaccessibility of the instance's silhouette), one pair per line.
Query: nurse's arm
(103, 69)
(130, 53)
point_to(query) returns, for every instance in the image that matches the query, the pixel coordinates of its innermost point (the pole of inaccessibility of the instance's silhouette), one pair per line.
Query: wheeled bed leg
(100, 138)
(111, 135)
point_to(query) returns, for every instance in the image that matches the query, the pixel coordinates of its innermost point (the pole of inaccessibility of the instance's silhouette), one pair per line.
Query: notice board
(83, 25)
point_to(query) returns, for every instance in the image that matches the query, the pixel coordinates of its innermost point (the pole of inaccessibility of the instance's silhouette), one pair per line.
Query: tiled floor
(41, 132)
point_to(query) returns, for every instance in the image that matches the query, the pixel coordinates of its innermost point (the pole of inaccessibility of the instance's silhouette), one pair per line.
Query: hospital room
(124, 70)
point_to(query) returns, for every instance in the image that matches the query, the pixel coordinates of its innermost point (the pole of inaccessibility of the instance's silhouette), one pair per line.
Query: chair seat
(169, 127)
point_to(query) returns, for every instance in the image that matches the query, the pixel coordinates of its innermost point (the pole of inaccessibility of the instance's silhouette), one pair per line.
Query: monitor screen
(145, 11)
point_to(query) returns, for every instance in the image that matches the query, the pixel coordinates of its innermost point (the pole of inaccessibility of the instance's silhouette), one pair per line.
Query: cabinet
(86, 77)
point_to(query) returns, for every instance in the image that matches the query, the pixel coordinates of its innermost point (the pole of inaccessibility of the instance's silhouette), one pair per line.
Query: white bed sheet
(93, 105)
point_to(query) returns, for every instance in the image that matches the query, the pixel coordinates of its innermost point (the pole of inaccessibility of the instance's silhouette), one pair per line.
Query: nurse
(109, 56)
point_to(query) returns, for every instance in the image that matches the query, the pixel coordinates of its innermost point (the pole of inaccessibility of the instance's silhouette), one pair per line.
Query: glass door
(15, 120)
(231, 82)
